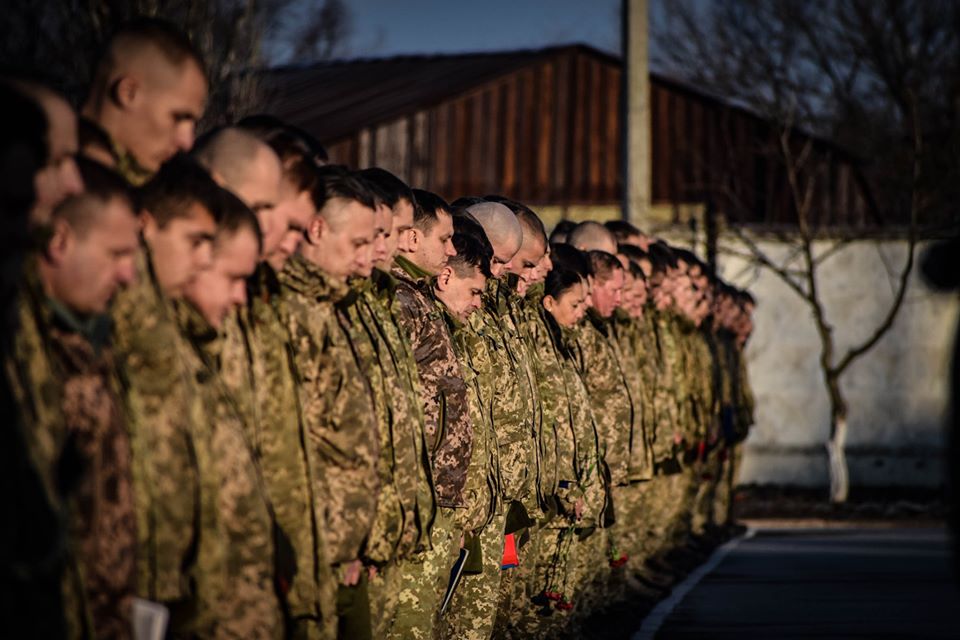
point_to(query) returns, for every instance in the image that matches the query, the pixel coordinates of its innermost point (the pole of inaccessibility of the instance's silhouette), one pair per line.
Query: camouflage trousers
(633, 526)
(472, 611)
(516, 617)
(421, 582)
(589, 572)
(711, 478)
(729, 468)
(665, 507)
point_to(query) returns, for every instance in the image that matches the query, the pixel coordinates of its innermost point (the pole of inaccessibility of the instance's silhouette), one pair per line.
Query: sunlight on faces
(59, 178)
(430, 249)
(382, 229)
(461, 293)
(88, 266)
(260, 190)
(216, 291)
(504, 251)
(544, 267)
(525, 264)
(163, 103)
(181, 249)
(569, 307)
(341, 238)
(607, 292)
(401, 224)
(660, 292)
(297, 210)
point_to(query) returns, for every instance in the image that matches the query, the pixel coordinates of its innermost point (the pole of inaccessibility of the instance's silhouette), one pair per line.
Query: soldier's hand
(371, 572)
(351, 573)
(578, 509)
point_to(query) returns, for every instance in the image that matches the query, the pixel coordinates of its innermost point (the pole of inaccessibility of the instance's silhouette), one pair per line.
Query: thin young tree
(876, 79)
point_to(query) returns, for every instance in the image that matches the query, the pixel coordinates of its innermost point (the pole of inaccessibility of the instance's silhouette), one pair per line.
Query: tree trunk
(837, 457)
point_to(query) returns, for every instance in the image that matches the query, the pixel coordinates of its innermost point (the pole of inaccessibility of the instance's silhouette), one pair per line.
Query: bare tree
(879, 79)
(59, 40)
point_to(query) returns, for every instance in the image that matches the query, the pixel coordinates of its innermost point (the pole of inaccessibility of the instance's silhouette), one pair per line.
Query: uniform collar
(309, 280)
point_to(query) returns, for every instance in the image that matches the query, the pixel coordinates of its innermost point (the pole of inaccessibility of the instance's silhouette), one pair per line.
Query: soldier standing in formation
(288, 400)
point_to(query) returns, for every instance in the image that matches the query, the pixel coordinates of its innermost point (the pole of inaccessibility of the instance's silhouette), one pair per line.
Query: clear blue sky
(390, 27)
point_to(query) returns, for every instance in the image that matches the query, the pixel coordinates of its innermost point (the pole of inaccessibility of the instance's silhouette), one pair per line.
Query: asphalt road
(833, 583)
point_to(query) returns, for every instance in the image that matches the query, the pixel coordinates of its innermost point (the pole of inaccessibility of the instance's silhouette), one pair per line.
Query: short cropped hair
(267, 127)
(393, 188)
(336, 181)
(100, 185)
(567, 256)
(180, 183)
(172, 43)
(296, 149)
(603, 264)
(236, 216)
(561, 232)
(426, 209)
(472, 253)
(661, 257)
(528, 219)
(622, 230)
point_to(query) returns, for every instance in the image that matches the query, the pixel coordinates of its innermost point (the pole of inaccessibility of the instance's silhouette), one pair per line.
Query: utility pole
(637, 153)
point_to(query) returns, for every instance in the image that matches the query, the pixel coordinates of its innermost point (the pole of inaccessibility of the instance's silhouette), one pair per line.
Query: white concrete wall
(897, 393)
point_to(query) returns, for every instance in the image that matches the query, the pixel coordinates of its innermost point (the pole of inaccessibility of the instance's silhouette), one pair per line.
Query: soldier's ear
(61, 237)
(443, 278)
(148, 225)
(549, 303)
(413, 239)
(125, 90)
(316, 229)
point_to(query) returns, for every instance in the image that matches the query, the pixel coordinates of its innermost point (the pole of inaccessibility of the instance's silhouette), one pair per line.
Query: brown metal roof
(335, 99)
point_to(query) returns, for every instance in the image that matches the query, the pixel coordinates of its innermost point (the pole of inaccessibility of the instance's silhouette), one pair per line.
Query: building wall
(897, 393)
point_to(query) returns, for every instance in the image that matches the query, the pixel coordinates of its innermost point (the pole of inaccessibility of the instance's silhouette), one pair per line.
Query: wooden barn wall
(549, 134)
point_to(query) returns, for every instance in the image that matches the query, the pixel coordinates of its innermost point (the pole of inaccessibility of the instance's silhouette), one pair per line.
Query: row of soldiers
(281, 398)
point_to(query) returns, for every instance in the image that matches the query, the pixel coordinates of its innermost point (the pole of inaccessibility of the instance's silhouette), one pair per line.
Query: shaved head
(593, 236)
(502, 229)
(231, 155)
(149, 90)
(248, 167)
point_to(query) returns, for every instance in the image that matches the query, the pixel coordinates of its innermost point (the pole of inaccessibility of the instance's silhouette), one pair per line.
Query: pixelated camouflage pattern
(404, 479)
(513, 404)
(446, 409)
(163, 413)
(625, 341)
(610, 398)
(64, 381)
(258, 365)
(337, 408)
(482, 490)
(247, 605)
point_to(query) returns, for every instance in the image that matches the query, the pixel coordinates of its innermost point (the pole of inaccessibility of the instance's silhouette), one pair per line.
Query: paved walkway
(821, 583)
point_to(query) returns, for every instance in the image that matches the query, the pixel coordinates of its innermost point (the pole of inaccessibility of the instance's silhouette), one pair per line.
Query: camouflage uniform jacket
(624, 331)
(247, 604)
(482, 489)
(588, 463)
(675, 384)
(163, 409)
(568, 436)
(258, 365)
(513, 404)
(647, 349)
(446, 409)
(64, 381)
(610, 399)
(337, 407)
(406, 508)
